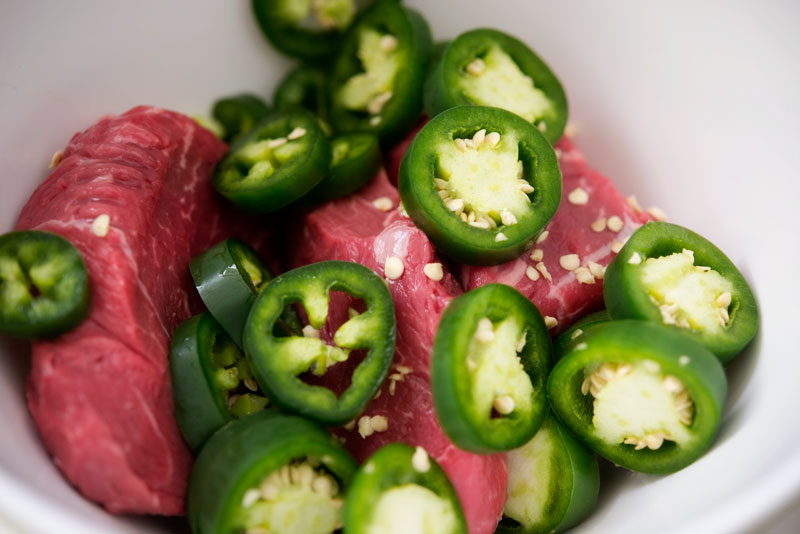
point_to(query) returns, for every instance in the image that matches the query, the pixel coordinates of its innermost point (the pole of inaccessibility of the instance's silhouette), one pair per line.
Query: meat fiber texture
(353, 229)
(100, 394)
(563, 296)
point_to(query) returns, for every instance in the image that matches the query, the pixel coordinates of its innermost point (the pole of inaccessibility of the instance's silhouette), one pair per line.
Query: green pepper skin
(560, 343)
(304, 87)
(626, 297)
(451, 381)
(474, 246)
(574, 483)
(225, 285)
(238, 114)
(272, 361)
(291, 179)
(359, 164)
(243, 452)
(44, 286)
(289, 38)
(200, 409)
(632, 341)
(389, 467)
(399, 115)
(442, 85)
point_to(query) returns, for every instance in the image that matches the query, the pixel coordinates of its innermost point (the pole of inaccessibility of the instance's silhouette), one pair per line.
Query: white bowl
(692, 106)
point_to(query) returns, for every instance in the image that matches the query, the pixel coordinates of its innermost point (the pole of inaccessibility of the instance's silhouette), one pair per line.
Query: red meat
(353, 229)
(565, 298)
(394, 155)
(100, 395)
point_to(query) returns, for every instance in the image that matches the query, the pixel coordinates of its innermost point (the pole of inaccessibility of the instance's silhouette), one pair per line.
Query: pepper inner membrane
(333, 365)
(318, 14)
(494, 79)
(370, 90)
(301, 497)
(637, 404)
(687, 295)
(500, 385)
(481, 179)
(412, 508)
(232, 376)
(258, 160)
(36, 278)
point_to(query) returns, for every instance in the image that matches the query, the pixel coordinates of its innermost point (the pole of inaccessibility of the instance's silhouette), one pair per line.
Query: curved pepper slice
(278, 362)
(488, 369)
(211, 380)
(553, 482)
(377, 76)
(281, 159)
(356, 159)
(490, 68)
(44, 287)
(228, 277)
(304, 87)
(306, 29)
(642, 395)
(481, 183)
(401, 489)
(673, 276)
(238, 114)
(269, 473)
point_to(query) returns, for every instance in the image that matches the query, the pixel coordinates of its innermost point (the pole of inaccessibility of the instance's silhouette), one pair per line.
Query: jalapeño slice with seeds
(278, 362)
(356, 159)
(377, 75)
(238, 114)
(310, 30)
(553, 483)
(488, 369)
(670, 275)
(228, 277)
(44, 286)
(481, 183)
(642, 395)
(401, 489)
(490, 68)
(269, 473)
(211, 380)
(281, 159)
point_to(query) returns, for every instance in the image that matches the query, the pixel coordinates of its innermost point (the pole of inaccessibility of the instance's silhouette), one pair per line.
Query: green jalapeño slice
(644, 396)
(553, 483)
(269, 473)
(356, 159)
(488, 369)
(211, 380)
(400, 490)
(44, 287)
(278, 362)
(281, 159)
(304, 87)
(490, 68)
(238, 114)
(671, 275)
(377, 76)
(481, 183)
(310, 30)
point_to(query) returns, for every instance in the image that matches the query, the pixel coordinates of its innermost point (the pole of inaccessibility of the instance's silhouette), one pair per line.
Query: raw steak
(353, 229)
(570, 232)
(394, 155)
(100, 395)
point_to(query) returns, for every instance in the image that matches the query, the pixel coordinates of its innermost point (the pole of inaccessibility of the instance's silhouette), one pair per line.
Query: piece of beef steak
(100, 394)
(353, 229)
(559, 293)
